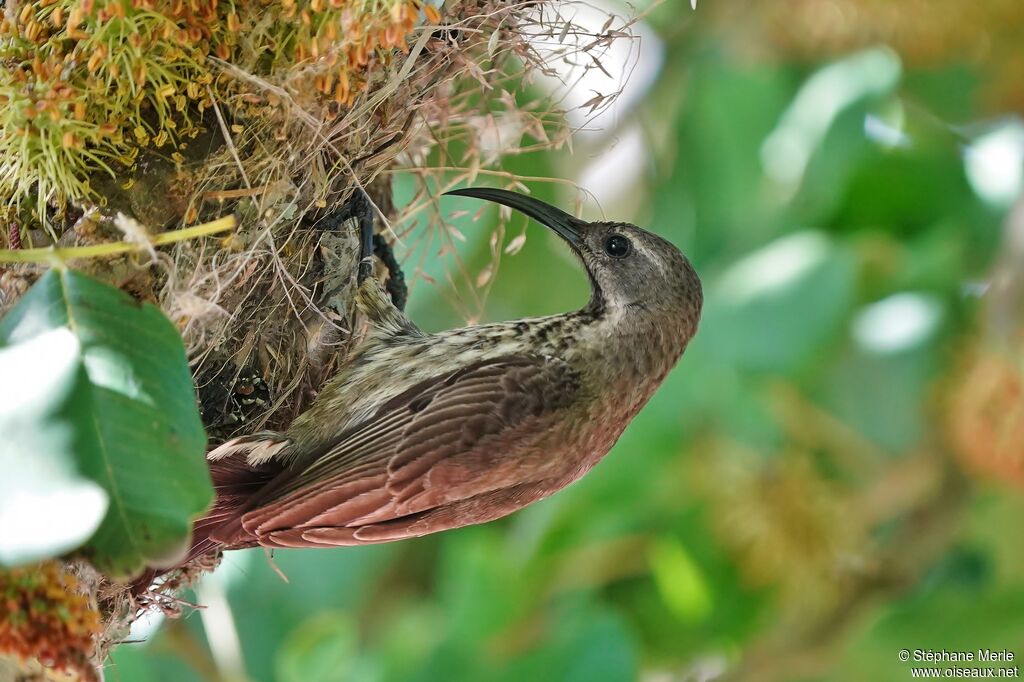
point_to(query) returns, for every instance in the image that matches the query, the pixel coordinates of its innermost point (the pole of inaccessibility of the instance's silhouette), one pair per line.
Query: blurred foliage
(833, 471)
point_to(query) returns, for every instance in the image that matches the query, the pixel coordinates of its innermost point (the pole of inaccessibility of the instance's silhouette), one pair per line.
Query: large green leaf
(149, 440)
(47, 506)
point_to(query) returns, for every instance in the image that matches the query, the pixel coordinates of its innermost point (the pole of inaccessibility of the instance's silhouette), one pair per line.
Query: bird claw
(365, 268)
(362, 209)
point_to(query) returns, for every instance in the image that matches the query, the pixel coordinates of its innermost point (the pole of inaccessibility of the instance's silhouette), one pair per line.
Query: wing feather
(427, 456)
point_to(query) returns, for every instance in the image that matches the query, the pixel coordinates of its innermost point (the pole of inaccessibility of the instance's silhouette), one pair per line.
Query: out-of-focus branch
(808, 647)
(1005, 295)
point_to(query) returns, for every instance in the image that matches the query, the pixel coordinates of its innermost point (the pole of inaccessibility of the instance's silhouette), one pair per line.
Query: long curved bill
(566, 226)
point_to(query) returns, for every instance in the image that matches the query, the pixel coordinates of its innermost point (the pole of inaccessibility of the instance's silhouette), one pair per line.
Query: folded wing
(457, 449)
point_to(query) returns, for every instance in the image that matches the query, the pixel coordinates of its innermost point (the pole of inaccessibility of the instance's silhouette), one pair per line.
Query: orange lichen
(44, 616)
(986, 418)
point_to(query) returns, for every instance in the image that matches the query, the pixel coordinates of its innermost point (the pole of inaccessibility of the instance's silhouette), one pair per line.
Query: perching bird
(420, 432)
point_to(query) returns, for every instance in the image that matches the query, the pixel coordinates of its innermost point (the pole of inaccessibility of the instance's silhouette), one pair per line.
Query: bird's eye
(617, 246)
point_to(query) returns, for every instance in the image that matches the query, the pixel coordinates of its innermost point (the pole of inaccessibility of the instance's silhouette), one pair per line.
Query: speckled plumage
(425, 432)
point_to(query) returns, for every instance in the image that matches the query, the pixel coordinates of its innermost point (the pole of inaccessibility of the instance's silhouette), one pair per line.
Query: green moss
(87, 84)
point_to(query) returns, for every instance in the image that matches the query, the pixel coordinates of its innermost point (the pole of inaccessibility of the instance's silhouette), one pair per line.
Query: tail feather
(239, 468)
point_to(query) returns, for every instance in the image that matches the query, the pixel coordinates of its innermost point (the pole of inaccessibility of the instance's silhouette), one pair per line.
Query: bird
(424, 432)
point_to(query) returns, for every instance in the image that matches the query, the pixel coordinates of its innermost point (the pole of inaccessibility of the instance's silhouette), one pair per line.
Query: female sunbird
(420, 432)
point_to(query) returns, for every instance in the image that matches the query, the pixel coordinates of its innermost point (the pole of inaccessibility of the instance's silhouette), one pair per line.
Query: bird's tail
(238, 468)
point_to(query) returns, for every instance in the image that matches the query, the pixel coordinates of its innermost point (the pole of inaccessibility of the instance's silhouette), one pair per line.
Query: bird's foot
(396, 287)
(360, 208)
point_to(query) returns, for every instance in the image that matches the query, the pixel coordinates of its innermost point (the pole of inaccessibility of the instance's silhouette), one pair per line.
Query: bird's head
(630, 268)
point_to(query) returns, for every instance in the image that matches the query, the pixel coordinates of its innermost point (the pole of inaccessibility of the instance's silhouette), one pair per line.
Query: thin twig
(58, 256)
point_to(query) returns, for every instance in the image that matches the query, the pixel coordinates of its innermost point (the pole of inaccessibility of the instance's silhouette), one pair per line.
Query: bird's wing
(456, 449)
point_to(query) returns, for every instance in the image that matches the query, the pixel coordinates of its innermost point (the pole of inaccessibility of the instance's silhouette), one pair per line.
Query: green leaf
(586, 642)
(775, 308)
(820, 138)
(679, 580)
(47, 506)
(149, 449)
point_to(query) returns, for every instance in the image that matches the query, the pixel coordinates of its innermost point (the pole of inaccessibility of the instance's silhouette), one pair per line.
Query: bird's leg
(362, 210)
(371, 244)
(383, 309)
(333, 277)
(396, 278)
